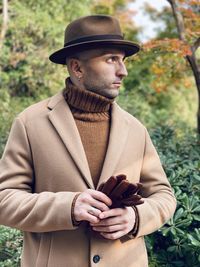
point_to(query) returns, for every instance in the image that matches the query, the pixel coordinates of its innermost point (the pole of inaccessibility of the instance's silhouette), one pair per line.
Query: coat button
(96, 258)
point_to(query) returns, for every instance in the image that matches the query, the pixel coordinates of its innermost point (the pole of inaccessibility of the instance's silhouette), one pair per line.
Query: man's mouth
(117, 84)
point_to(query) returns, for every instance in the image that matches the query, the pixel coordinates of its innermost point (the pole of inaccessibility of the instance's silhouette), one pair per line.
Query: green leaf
(179, 213)
(197, 208)
(172, 249)
(194, 241)
(196, 217)
(197, 177)
(180, 231)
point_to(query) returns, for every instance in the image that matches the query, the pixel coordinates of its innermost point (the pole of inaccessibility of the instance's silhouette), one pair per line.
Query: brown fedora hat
(91, 32)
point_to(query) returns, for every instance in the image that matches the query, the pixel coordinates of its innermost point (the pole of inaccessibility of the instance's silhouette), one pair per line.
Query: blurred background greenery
(160, 91)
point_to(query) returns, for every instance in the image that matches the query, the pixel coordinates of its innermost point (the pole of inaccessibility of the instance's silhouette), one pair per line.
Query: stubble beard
(101, 89)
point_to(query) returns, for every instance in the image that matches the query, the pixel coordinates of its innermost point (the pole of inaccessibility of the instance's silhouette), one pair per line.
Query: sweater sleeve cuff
(75, 223)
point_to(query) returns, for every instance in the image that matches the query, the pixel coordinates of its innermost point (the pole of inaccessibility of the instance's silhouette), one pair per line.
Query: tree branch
(179, 19)
(196, 45)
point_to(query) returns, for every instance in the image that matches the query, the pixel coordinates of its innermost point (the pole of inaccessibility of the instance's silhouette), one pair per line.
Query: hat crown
(92, 26)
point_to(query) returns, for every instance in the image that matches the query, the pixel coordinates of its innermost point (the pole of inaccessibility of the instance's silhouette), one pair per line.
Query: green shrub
(177, 243)
(10, 247)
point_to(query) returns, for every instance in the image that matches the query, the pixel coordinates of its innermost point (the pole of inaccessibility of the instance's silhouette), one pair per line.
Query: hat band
(95, 38)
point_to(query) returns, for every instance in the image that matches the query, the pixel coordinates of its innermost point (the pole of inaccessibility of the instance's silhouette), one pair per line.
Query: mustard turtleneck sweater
(92, 116)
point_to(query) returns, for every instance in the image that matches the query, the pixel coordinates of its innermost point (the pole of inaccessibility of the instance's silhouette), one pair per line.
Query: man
(60, 150)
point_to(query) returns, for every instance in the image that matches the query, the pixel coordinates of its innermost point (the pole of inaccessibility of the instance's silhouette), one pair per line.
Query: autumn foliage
(168, 67)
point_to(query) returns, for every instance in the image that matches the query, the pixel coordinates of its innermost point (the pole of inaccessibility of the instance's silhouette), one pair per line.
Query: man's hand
(115, 223)
(90, 204)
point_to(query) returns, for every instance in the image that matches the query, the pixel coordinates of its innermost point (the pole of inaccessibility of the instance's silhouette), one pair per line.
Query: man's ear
(75, 66)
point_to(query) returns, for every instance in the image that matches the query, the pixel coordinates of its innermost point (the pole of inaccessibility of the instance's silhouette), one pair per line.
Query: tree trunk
(196, 71)
(4, 23)
(191, 59)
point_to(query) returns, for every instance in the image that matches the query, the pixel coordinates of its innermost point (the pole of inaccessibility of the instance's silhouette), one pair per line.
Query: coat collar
(62, 120)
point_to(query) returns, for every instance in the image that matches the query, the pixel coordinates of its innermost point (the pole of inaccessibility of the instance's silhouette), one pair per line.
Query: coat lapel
(63, 121)
(118, 136)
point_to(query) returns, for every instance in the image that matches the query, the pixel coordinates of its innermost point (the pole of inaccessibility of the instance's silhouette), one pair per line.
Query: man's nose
(122, 71)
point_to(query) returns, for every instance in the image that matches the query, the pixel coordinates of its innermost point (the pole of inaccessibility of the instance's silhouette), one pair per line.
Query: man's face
(103, 71)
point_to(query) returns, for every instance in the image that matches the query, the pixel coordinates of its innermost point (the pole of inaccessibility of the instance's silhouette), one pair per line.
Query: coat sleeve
(19, 206)
(159, 200)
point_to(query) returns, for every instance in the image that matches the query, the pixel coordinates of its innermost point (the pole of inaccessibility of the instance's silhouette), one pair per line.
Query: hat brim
(59, 57)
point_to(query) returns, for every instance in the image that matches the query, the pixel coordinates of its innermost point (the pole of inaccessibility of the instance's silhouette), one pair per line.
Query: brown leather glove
(121, 192)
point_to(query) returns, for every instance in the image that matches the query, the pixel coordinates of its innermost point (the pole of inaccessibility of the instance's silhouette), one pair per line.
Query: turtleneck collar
(85, 101)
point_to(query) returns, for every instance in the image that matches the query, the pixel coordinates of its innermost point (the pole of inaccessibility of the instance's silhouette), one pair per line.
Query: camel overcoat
(44, 166)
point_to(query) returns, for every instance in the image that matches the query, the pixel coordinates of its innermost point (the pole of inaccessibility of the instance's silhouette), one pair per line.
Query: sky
(141, 19)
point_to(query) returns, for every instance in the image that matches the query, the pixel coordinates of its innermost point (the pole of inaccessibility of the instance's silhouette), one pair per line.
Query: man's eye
(112, 59)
